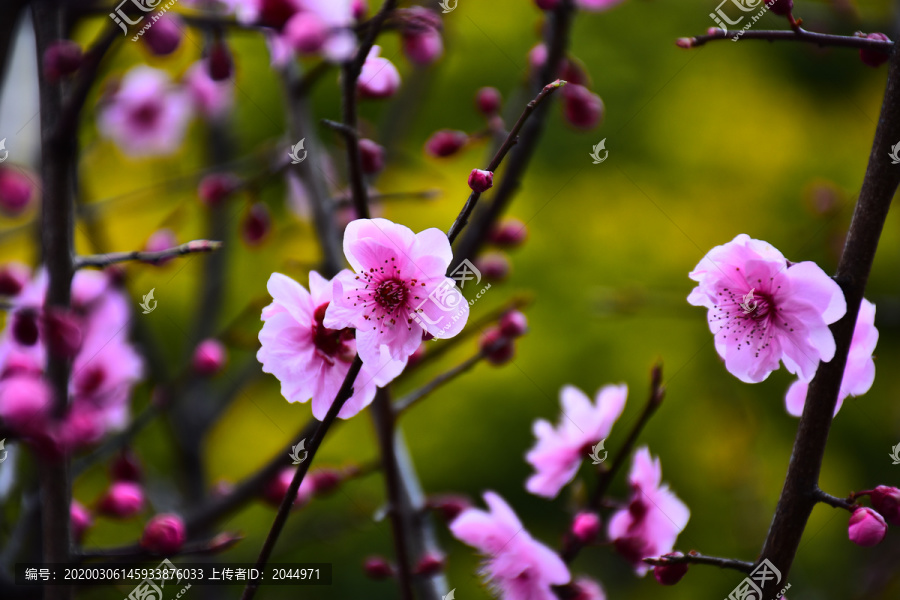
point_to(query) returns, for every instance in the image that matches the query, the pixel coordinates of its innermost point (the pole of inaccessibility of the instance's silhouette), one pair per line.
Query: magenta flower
(517, 566)
(308, 358)
(398, 289)
(379, 77)
(147, 115)
(859, 373)
(764, 309)
(654, 517)
(866, 528)
(558, 452)
(597, 5)
(211, 99)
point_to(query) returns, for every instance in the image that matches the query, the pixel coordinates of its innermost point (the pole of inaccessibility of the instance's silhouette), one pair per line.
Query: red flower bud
(13, 277)
(509, 233)
(161, 239)
(216, 187)
(875, 58)
(488, 100)
(123, 499)
(15, 192)
(61, 332)
(126, 467)
(372, 156)
(256, 224)
(80, 520)
(165, 35)
(429, 565)
(886, 500)
(209, 357)
(378, 568)
(25, 327)
(306, 33)
(493, 266)
(481, 181)
(325, 481)
(164, 534)
(221, 65)
(497, 348)
(782, 7)
(547, 4)
(670, 574)
(585, 527)
(582, 108)
(446, 142)
(62, 58)
(275, 13)
(867, 527)
(513, 324)
(449, 506)
(423, 47)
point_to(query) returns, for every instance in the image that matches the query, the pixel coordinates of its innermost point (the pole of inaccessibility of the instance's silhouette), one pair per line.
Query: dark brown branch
(412, 398)
(134, 552)
(103, 260)
(321, 430)
(511, 140)
(824, 498)
(798, 497)
(695, 558)
(788, 35)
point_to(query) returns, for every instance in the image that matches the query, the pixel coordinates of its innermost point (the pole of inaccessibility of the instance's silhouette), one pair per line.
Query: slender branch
(344, 201)
(695, 558)
(103, 260)
(348, 132)
(407, 401)
(281, 517)
(135, 552)
(825, 498)
(511, 140)
(789, 35)
(798, 497)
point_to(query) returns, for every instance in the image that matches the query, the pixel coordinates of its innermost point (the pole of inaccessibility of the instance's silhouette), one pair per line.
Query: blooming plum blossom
(654, 517)
(147, 115)
(311, 359)
(764, 309)
(517, 566)
(396, 290)
(859, 373)
(558, 452)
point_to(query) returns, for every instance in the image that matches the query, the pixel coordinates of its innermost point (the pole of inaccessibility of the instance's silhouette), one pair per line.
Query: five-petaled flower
(794, 305)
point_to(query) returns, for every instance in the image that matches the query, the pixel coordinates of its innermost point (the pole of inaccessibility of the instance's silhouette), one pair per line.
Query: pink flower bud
(221, 65)
(165, 35)
(875, 58)
(867, 527)
(80, 520)
(256, 224)
(488, 100)
(494, 266)
(325, 481)
(446, 142)
(574, 73)
(164, 534)
(372, 156)
(122, 500)
(378, 568)
(275, 13)
(13, 277)
(449, 506)
(513, 324)
(417, 355)
(161, 239)
(61, 332)
(62, 58)
(25, 402)
(547, 4)
(306, 33)
(582, 108)
(359, 9)
(497, 348)
(509, 233)
(15, 192)
(429, 565)
(275, 490)
(379, 77)
(209, 357)
(670, 574)
(585, 527)
(423, 47)
(126, 467)
(481, 181)
(216, 187)
(25, 327)
(886, 500)
(781, 7)
(537, 57)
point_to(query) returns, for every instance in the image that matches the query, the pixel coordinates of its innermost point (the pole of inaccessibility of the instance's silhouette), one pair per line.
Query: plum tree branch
(695, 558)
(790, 35)
(104, 260)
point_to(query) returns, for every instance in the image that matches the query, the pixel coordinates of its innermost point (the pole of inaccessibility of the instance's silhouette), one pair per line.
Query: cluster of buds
(868, 526)
(497, 343)
(320, 482)
(510, 233)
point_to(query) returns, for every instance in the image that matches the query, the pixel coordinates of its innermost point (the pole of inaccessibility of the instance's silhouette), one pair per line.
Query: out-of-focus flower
(597, 5)
(275, 490)
(122, 500)
(13, 277)
(875, 58)
(209, 357)
(165, 35)
(159, 240)
(581, 107)
(585, 527)
(377, 568)
(379, 77)
(886, 500)
(488, 100)
(15, 192)
(509, 233)
(763, 309)
(859, 374)
(214, 188)
(256, 224)
(498, 348)
(559, 451)
(219, 63)
(445, 142)
(80, 520)
(654, 517)
(211, 99)
(372, 156)
(517, 565)
(164, 534)
(61, 58)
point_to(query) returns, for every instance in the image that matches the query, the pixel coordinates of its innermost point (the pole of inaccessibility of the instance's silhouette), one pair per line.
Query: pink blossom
(25, 403)
(588, 589)
(211, 99)
(558, 452)
(80, 520)
(763, 308)
(398, 289)
(517, 566)
(654, 517)
(859, 373)
(597, 5)
(122, 500)
(423, 46)
(147, 115)
(867, 528)
(309, 359)
(379, 77)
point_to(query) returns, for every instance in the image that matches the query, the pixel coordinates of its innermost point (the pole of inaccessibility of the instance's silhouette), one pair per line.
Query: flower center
(147, 114)
(331, 343)
(756, 305)
(390, 294)
(91, 381)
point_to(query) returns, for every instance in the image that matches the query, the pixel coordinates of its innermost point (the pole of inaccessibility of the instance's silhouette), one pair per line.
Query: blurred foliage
(704, 144)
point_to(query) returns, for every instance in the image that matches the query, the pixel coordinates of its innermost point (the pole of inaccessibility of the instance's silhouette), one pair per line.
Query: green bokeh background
(703, 145)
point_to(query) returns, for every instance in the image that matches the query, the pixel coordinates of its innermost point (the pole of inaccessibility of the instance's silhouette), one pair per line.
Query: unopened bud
(582, 108)
(123, 499)
(209, 357)
(585, 527)
(80, 520)
(256, 224)
(886, 500)
(481, 181)
(875, 58)
(446, 142)
(866, 528)
(164, 534)
(165, 35)
(488, 100)
(494, 266)
(62, 58)
(670, 574)
(216, 187)
(513, 324)
(126, 467)
(509, 233)
(371, 156)
(15, 192)
(497, 348)
(221, 65)
(378, 568)
(13, 277)
(429, 565)
(25, 327)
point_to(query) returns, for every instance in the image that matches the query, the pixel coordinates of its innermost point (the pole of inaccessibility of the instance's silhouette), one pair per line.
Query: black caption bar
(166, 576)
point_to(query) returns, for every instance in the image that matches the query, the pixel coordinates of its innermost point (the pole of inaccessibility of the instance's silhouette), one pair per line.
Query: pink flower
(379, 77)
(309, 359)
(15, 192)
(164, 534)
(588, 589)
(122, 500)
(654, 517)
(211, 99)
(146, 116)
(558, 452)
(867, 528)
(859, 373)
(597, 5)
(80, 520)
(518, 566)
(763, 308)
(399, 282)
(423, 46)
(25, 403)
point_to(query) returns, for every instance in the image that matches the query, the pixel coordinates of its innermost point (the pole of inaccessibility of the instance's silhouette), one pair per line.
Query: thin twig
(135, 552)
(511, 140)
(104, 260)
(695, 558)
(789, 35)
(825, 498)
(407, 401)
